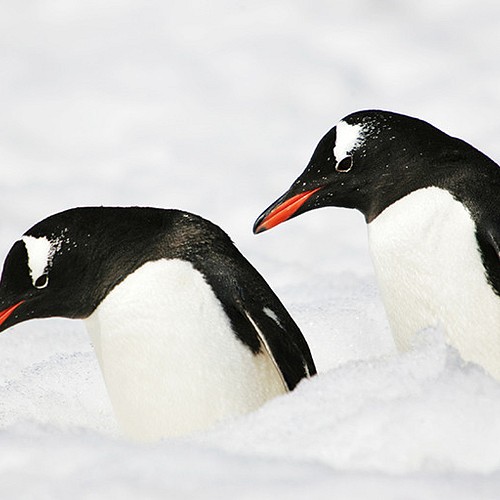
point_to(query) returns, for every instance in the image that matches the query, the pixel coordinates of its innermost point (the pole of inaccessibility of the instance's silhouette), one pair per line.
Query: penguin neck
(430, 272)
(468, 177)
(171, 363)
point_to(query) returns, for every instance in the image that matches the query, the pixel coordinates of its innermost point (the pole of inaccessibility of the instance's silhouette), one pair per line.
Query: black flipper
(262, 322)
(489, 244)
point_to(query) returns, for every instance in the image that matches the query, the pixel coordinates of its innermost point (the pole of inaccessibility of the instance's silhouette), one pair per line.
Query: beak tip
(259, 227)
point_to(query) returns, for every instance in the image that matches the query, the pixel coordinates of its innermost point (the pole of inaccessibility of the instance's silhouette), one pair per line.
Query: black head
(66, 264)
(368, 161)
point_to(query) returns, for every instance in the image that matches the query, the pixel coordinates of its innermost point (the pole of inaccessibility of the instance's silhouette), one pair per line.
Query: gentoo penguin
(186, 331)
(431, 203)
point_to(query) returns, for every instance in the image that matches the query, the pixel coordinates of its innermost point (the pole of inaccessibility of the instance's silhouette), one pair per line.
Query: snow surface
(215, 107)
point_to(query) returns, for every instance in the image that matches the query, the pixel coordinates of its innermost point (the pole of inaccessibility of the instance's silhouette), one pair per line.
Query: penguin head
(66, 264)
(41, 278)
(367, 161)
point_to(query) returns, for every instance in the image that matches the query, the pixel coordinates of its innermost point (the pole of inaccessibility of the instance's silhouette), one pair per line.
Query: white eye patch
(40, 252)
(348, 137)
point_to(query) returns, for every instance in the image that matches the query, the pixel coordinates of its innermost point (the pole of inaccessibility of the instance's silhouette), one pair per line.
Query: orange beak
(7, 312)
(282, 211)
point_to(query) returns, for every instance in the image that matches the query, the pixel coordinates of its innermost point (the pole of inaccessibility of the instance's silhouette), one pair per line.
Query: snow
(215, 107)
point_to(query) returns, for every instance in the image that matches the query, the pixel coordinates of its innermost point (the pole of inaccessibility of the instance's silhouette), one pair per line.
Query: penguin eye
(42, 281)
(344, 165)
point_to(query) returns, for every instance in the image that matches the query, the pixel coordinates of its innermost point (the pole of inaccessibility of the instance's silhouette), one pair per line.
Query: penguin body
(177, 316)
(430, 273)
(430, 202)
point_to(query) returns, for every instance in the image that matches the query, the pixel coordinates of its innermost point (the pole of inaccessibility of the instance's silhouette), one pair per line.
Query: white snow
(215, 107)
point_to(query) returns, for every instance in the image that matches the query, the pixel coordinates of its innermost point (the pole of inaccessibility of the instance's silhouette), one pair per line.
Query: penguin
(431, 204)
(186, 331)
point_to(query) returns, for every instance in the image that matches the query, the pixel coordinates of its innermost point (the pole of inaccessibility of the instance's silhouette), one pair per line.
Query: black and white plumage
(431, 203)
(186, 331)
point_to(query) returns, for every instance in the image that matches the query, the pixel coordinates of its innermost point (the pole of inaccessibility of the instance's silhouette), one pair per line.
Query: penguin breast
(170, 360)
(430, 273)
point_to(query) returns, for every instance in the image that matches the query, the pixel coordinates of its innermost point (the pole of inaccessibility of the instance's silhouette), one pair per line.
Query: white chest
(430, 273)
(170, 361)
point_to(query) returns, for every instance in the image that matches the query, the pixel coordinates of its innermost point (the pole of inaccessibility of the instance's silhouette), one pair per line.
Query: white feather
(430, 272)
(171, 362)
(347, 138)
(39, 252)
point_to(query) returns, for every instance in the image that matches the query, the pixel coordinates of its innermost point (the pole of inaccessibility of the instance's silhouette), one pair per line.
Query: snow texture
(215, 107)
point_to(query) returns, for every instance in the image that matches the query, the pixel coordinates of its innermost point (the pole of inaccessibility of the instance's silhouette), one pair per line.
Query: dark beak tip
(258, 227)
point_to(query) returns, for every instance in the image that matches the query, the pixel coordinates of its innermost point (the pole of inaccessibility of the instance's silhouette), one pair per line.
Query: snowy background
(215, 107)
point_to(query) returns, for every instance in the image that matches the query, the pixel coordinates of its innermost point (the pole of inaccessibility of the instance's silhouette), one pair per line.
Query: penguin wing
(495, 240)
(489, 243)
(271, 328)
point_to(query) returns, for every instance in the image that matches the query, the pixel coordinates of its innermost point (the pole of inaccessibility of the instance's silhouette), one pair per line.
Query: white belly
(430, 273)
(170, 361)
